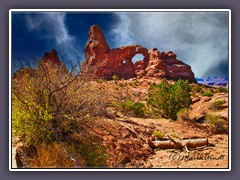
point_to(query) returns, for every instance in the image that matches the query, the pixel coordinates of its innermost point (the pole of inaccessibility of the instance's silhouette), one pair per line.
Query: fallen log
(178, 144)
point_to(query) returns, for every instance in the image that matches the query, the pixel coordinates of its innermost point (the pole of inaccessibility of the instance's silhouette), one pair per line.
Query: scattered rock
(194, 100)
(205, 99)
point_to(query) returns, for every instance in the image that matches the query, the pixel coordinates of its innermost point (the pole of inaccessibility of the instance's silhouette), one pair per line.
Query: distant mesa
(118, 61)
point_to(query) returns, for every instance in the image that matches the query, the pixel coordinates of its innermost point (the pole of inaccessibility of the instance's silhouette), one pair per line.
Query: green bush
(167, 99)
(158, 134)
(129, 107)
(217, 104)
(216, 122)
(121, 84)
(101, 80)
(208, 93)
(222, 89)
(183, 114)
(115, 78)
(136, 82)
(196, 88)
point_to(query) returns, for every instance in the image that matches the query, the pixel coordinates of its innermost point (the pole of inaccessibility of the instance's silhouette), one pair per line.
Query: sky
(199, 39)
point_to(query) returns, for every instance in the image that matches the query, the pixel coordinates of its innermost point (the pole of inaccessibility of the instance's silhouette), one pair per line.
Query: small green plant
(218, 104)
(208, 93)
(135, 82)
(174, 135)
(183, 114)
(115, 78)
(222, 89)
(129, 107)
(196, 88)
(218, 123)
(131, 83)
(158, 134)
(101, 80)
(121, 84)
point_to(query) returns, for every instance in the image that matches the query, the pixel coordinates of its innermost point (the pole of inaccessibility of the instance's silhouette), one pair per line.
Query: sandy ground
(215, 155)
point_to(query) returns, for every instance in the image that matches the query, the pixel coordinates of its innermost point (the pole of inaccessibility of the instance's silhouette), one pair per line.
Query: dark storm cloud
(198, 38)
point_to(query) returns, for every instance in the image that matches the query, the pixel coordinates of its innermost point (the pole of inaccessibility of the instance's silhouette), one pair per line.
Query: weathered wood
(178, 144)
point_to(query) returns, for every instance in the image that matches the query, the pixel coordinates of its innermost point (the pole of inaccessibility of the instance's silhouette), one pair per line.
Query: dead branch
(179, 144)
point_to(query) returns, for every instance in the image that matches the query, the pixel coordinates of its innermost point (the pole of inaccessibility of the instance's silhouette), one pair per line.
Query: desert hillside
(112, 113)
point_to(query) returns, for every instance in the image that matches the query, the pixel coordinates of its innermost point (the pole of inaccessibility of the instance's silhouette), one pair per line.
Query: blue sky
(200, 39)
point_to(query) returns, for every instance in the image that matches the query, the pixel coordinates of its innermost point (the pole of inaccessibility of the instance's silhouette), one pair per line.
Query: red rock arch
(119, 61)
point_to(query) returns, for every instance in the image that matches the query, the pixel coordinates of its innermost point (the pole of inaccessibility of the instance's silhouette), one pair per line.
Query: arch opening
(137, 57)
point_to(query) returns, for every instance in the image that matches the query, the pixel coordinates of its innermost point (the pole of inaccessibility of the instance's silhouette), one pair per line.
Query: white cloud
(122, 31)
(54, 31)
(198, 38)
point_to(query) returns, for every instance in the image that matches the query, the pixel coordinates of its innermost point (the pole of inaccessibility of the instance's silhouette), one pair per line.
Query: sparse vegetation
(115, 78)
(183, 114)
(129, 107)
(222, 89)
(121, 84)
(101, 80)
(60, 126)
(197, 88)
(218, 104)
(208, 93)
(174, 135)
(50, 104)
(216, 122)
(166, 99)
(158, 134)
(135, 82)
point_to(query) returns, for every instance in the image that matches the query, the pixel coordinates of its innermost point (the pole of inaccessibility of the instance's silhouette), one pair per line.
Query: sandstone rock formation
(51, 57)
(118, 61)
(50, 62)
(166, 65)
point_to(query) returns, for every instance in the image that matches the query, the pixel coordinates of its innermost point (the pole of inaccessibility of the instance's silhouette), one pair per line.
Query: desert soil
(215, 155)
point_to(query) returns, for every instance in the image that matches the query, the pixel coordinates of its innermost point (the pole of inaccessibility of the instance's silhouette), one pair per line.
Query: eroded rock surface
(118, 61)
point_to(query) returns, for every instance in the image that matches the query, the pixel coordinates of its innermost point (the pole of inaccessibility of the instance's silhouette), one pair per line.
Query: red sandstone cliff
(118, 61)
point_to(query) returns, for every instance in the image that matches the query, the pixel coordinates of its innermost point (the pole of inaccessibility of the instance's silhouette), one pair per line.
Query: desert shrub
(135, 82)
(68, 155)
(208, 93)
(166, 99)
(49, 104)
(121, 84)
(158, 134)
(217, 104)
(52, 156)
(101, 80)
(222, 89)
(196, 88)
(216, 122)
(115, 78)
(183, 114)
(129, 107)
(92, 154)
(174, 135)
